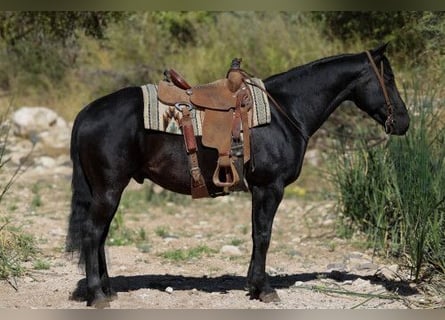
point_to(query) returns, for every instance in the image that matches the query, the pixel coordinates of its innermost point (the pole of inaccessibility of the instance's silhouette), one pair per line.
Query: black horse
(109, 146)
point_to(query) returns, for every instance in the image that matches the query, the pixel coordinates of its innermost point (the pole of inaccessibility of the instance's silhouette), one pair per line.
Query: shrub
(395, 193)
(416, 36)
(16, 246)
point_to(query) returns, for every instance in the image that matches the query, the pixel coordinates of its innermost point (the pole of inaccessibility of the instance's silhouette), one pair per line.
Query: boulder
(49, 132)
(29, 121)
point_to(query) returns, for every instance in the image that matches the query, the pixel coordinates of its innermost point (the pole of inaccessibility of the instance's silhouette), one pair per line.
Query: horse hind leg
(101, 213)
(103, 272)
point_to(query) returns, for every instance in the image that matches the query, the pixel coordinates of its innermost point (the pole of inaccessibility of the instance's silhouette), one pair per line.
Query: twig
(14, 285)
(362, 303)
(323, 289)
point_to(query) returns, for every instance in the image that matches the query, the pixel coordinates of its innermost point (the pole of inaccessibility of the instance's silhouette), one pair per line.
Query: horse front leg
(265, 201)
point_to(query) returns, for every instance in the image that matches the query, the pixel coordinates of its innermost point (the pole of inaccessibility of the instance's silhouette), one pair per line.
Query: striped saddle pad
(165, 118)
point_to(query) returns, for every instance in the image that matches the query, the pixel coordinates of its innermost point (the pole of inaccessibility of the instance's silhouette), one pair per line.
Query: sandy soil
(309, 265)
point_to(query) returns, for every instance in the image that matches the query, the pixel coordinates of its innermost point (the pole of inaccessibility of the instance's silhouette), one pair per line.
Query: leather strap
(244, 102)
(178, 80)
(390, 119)
(198, 185)
(294, 122)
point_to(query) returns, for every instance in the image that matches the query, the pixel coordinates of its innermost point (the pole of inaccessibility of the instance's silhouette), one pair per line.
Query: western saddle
(225, 104)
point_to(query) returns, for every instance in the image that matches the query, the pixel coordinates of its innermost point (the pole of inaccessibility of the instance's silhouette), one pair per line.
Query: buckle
(182, 105)
(195, 173)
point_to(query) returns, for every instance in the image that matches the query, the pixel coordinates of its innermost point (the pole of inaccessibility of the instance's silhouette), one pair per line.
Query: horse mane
(311, 66)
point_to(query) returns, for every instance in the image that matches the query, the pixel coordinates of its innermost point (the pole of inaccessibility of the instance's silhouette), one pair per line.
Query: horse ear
(380, 50)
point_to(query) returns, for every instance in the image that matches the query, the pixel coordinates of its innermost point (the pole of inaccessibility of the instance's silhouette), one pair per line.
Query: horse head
(376, 93)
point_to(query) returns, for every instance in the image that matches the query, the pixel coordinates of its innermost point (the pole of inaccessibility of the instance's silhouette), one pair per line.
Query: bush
(395, 193)
(416, 36)
(16, 246)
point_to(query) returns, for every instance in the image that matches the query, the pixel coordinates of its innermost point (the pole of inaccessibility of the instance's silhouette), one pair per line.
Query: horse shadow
(224, 283)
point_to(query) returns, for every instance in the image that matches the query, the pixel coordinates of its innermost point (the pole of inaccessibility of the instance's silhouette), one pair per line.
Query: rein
(389, 123)
(288, 116)
(390, 119)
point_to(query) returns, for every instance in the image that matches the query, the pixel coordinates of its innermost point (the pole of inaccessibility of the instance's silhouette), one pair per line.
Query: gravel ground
(308, 264)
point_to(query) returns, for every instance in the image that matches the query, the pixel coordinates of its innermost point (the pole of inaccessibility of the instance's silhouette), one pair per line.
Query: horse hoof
(99, 302)
(268, 297)
(111, 295)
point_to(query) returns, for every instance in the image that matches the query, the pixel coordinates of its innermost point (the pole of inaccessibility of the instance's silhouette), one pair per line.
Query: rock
(361, 283)
(45, 162)
(366, 266)
(169, 290)
(49, 133)
(63, 160)
(54, 142)
(28, 121)
(355, 255)
(272, 271)
(19, 151)
(170, 238)
(58, 232)
(231, 250)
(336, 267)
(388, 272)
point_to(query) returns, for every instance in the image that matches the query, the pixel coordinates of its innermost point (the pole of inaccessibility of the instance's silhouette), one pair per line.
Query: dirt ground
(310, 267)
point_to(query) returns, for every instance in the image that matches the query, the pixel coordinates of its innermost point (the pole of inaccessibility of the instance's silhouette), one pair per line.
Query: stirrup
(231, 174)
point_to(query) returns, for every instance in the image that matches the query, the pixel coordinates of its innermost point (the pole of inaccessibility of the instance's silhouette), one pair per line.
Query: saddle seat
(225, 103)
(217, 95)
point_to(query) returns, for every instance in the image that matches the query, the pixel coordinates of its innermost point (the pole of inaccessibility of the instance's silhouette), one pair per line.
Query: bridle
(389, 123)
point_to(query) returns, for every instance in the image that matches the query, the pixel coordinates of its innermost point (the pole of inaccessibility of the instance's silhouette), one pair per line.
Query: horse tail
(80, 201)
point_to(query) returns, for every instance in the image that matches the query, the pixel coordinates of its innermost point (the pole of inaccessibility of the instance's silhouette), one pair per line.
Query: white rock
(355, 255)
(336, 267)
(19, 151)
(231, 250)
(169, 290)
(46, 162)
(54, 142)
(31, 120)
(361, 283)
(389, 272)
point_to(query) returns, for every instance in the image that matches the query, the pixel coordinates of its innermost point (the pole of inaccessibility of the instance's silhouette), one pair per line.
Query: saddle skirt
(161, 117)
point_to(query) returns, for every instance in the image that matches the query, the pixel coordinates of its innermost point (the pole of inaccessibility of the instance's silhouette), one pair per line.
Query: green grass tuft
(16, 248)
(395, 192)
(188, 254)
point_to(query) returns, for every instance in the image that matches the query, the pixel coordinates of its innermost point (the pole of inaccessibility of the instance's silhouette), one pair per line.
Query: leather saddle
(225, 103)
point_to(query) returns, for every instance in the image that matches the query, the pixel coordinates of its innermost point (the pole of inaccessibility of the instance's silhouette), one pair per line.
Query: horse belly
(167, 163)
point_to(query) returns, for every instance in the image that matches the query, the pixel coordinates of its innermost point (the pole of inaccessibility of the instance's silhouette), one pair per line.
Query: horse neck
(313, 91)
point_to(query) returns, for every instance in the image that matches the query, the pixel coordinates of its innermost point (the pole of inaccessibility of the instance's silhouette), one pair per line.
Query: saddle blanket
(161, 117)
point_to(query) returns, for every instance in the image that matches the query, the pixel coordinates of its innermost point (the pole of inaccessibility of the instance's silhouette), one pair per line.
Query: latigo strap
(198, 185)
